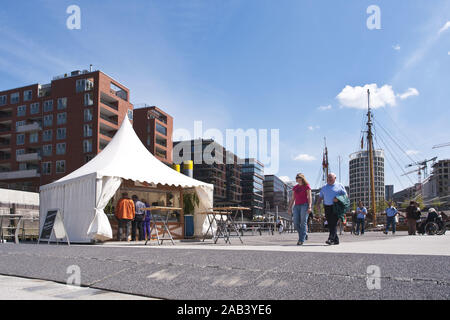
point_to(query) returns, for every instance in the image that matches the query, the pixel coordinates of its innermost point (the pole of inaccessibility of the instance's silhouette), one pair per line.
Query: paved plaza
(372, 266)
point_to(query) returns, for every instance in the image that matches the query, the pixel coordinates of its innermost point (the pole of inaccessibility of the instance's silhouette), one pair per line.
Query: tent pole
(182, 213)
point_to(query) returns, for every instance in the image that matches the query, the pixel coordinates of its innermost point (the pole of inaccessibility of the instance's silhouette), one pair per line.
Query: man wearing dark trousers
(138, 222)
(328, 194)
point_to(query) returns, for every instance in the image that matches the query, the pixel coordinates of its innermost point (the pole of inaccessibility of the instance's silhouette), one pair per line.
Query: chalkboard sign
(48, 224)
(53, 224)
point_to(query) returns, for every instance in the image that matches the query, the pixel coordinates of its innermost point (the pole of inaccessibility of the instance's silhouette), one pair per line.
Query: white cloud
(409, 93)
(412, 152)
(445, 27)
(448, 53)
(396, 47)
(356, 97)
(312, 128)
(304, 157)
(323, 108)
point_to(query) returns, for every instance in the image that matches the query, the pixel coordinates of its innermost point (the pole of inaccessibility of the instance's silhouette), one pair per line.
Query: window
(48, 120)
(161, 129)
(48, 105)
(84, 85)
(15, 97)
(20, 139)
(34, 137)
(88, 130)
(46, 168)
(60, 148)
(2, 100)
(87, 146)
(47, 150)
(60, 166)
(21, 111)
(27, 95)
(61, 118)
(19, 152)
(88, 99)
(47, 135)
(60, 133)
(34, 108)
(88, 115)
(161, 141)
(22, 166)
(62, 103)
(130, 114)
(20, 123)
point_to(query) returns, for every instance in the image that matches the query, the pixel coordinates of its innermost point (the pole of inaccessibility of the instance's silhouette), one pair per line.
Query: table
(224, 226)
(16, 228)
(167, 212)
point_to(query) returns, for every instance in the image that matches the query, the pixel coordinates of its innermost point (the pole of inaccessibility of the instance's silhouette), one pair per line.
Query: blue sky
(256, 64)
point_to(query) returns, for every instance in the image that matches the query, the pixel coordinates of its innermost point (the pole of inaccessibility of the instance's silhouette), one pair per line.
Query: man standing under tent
(124, 214)
(138, 222)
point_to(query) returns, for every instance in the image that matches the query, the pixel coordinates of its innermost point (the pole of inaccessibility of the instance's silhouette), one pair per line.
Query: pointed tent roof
(126, 157)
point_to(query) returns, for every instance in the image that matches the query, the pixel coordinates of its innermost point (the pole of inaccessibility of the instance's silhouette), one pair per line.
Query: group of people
(336, 202)
(131, 212)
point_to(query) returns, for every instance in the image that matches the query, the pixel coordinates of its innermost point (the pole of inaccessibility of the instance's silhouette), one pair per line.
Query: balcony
(5, 114)
(35, 126)
(109, 101)
(22, 174)
(28, 157)
(5, 142)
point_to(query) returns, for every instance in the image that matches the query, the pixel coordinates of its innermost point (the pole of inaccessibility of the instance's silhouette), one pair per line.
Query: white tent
(83, 194)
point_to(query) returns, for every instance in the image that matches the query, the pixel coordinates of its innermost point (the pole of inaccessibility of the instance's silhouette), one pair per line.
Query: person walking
(302, 197)
(124, 214)
(391, 213)
(412, 215)
(137, 223)
(147, 221)
(335, 201)
(361, 213)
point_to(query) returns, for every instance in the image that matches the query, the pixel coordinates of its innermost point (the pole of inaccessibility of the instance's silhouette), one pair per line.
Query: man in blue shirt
(391, 212)
(328, 194)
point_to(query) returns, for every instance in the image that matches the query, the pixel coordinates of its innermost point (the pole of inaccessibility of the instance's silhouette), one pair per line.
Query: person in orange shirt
(124, 214)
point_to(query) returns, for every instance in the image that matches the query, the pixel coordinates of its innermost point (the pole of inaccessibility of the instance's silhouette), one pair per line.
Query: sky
(299, 68)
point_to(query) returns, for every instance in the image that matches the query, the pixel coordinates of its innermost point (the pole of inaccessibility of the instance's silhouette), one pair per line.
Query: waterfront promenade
(264, 267)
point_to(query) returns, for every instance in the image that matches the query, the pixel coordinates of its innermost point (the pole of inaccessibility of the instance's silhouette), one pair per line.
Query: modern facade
(388, 192)
(154, 128)
(359, 177)
(437, 187)
(50, 130)
(212, 164)
(252, 181)
(275, 194)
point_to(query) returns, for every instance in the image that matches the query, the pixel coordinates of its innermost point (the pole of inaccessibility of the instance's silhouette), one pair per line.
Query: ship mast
(371, 167)
(325, 164)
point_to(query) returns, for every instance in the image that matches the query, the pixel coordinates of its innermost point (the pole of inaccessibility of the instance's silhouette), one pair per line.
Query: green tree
(190, 201)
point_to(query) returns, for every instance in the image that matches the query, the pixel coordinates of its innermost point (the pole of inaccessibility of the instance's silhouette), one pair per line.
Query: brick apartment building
(154, 128)
(50, 130)
(224, 175)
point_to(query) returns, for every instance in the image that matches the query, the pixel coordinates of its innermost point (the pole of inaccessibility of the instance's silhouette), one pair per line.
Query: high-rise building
(213, 164)
(437, 187)
(252, 180)
(359, 177)
(50, 130)
(275, 194)
(389, 192)
(154, 128)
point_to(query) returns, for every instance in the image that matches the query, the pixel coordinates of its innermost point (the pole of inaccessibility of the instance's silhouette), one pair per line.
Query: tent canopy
(83, 194)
